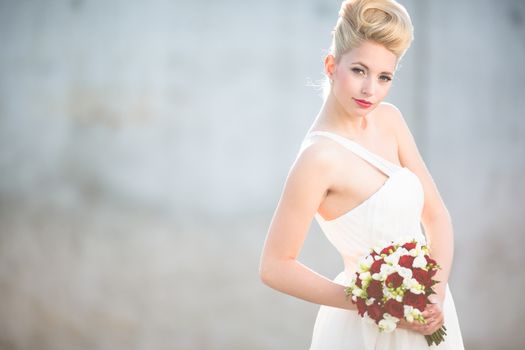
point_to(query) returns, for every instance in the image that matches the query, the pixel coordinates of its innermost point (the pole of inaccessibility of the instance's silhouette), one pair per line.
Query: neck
(334, 117)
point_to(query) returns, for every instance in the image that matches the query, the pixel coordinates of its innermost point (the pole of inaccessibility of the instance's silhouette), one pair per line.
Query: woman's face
(362, 78)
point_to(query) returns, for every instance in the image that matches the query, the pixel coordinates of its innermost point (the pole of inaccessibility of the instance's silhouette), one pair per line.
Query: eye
(357, 70)
(385, 78)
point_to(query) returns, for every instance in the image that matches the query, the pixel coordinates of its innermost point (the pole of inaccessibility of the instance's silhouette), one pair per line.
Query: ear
(329, 65)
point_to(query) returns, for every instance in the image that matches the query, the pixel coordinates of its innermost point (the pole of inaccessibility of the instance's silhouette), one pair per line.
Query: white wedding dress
(393, 211)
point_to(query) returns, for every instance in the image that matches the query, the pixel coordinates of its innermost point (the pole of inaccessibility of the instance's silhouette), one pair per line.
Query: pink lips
(363, 103)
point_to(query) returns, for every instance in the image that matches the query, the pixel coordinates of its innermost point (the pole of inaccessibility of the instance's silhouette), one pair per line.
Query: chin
(364, 112)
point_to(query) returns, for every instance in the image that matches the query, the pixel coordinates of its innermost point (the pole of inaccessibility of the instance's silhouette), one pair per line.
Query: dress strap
(382, 164)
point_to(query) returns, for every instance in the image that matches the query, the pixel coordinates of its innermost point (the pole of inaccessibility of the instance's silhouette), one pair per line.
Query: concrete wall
(144, 145)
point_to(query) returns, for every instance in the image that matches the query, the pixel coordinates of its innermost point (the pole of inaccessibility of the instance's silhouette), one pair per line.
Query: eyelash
(358, 70)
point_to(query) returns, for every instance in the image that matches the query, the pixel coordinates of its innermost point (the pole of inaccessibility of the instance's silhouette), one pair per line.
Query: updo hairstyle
(385, 22)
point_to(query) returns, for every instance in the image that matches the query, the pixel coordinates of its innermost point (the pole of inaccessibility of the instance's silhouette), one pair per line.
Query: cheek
(344, 78)
(347, 82)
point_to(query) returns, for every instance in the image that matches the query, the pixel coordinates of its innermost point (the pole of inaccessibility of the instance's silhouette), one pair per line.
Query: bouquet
(394, 282)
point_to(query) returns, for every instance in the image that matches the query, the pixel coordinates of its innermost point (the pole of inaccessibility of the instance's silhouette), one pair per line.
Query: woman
(360, 174)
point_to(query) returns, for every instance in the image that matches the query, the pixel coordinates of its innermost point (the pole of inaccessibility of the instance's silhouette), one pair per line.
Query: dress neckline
(346, 139)
(366, 201)
(387, 167)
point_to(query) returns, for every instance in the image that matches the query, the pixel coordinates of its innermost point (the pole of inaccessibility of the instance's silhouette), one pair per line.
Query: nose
(368, 87)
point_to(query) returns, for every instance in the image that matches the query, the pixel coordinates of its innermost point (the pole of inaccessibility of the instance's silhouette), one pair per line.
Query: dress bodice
(391, 212)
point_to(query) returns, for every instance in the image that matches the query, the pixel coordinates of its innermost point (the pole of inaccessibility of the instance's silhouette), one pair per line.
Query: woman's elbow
(271, 270)
(265, 273)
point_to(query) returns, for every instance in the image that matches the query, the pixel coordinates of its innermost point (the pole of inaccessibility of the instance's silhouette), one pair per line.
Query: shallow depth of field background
(144, 145)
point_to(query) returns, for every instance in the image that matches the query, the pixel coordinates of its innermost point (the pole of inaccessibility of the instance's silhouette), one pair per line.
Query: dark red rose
(419, 301)
(387, 250)
(375, 289)
(406, 261)
(394, 280)
(430, 261)
(432, 272)
(409, 245)
(394, 308)
(375, 312)
(358, 280)
(376, 266)
(361, 307)
(422, 277)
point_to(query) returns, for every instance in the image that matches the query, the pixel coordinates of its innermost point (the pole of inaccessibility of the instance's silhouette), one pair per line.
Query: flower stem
(437, 337)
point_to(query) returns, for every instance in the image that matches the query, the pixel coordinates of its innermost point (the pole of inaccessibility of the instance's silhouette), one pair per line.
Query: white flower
(416, 251)
(409, 283)
(408, 313)
(407, 310)
(404, 272)
(392, 259)
(388, 323)
(402, 251)
(417, 288)
(364, 264)
(388, 294)
(365, 276)
(358, 292)
(411, 313)
(386, 270)
(420, 261)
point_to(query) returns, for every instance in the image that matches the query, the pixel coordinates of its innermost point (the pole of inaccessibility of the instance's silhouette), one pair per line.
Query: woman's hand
(433, 314)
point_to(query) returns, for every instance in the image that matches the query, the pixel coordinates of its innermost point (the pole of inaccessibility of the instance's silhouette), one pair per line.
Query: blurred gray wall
(144, 145)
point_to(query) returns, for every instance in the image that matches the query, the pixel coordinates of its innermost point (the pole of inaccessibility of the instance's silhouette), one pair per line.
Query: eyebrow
(364, 65)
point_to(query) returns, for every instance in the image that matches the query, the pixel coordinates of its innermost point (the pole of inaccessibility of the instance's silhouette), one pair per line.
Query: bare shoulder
(309, 179)
(318, 154)
(395, 121)
(389, 117)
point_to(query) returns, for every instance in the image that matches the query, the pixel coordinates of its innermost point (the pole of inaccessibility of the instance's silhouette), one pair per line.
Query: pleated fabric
(390, 213)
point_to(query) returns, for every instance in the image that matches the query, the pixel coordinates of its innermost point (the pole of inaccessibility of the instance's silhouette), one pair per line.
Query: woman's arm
(306, 186)
(435, 217)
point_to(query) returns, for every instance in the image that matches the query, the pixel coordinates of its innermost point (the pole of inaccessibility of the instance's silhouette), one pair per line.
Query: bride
(360, 174)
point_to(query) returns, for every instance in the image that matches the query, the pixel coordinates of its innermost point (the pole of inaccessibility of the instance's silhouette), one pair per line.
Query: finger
(434, 327)
(430, 310)
(439, 319)
(401, 324)
(429, 325)
(419, 327)
(407, 325)
(429, 330)
(414, 326)
(435, 313)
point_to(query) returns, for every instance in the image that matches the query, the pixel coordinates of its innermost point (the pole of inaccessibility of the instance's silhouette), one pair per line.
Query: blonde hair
(385, 22)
